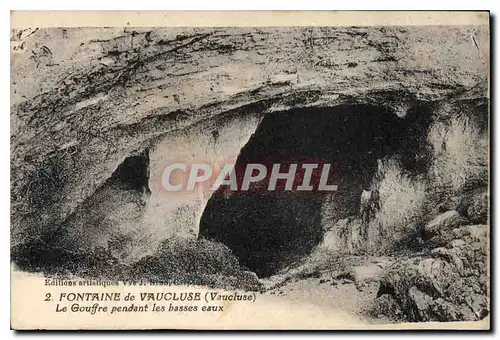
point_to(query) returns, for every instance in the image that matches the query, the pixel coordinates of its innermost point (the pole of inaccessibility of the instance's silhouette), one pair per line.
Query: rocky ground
(95, 96)
(446, 280)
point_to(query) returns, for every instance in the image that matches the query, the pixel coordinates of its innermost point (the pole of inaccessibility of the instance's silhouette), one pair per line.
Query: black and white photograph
(308, 176)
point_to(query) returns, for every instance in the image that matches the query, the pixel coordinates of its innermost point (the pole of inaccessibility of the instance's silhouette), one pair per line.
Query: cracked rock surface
(84, 99)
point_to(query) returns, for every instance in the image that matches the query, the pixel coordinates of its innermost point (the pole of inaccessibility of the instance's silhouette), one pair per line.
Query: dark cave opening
(133, 173)
(269, 231)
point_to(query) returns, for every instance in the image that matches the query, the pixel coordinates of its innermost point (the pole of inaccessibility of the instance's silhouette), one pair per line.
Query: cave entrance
(272, 230)
(133, 173)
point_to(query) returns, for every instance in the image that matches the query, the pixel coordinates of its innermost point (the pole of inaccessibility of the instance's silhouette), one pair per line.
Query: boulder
(478, 207)
(449, 283)
(386, 306)
(84, 100)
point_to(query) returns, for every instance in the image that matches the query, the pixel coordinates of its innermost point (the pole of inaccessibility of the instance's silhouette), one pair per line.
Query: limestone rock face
(85, 100)
(477, 206)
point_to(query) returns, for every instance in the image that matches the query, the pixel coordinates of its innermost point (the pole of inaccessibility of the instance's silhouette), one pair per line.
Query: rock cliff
(87, 102)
